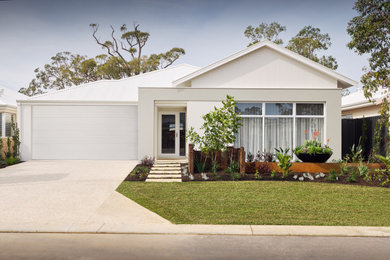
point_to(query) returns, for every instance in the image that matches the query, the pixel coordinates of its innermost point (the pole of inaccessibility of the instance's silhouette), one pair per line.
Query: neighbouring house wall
(264, 68)
(5, 147)
(24, 123)
(197, 98)
(367, 111)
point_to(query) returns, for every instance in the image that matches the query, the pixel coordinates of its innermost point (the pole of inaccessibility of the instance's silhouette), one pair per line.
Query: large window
(6, 124)
(266, 126)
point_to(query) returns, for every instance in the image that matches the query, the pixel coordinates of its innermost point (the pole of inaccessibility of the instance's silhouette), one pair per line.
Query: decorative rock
(191, 177)
(322, 175)
(301, 178)
(305, 175)
(204, 176)
(295, 177)
(317, 176)
(310, 177)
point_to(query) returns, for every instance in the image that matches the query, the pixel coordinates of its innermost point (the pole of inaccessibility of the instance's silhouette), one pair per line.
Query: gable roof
(344, 81)
(8, 97)
(125, 90)
(357, 99)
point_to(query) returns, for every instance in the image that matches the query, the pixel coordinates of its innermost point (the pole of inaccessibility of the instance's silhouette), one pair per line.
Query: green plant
(200, 166)
(353, 176)
(141, 171)
(344, 168)
(257, 175)
(363, 169)
(273, 173)
(356, 154)
(15, 138)
(214, 167)
(1, 149)
(233, 169)
(147, 161)
(235, 176)
(333, 176)
(313, 146)
(219, 128)
(284, 161)
(11, 160)
(382, 175)
(8, 152)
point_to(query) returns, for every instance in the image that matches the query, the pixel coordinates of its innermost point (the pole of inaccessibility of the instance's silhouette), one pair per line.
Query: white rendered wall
(264, 68)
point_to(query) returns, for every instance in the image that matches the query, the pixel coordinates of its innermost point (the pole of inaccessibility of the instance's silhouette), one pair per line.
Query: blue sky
(32, 31)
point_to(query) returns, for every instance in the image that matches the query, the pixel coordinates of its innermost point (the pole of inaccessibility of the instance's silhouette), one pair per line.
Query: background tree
(264, 32)
(307, 42)
(124, 58)
(370, 32)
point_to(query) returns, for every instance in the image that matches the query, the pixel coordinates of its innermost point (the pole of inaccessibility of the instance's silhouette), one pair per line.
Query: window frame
(294, 116)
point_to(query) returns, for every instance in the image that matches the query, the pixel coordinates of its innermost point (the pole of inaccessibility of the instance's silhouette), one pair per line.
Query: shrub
(353, 177)
(344, 169)
(200, 166)
(235, 176)
(140, 170)
(284, 161)
(250, 157)
(263, 168)
(264, 157)
(234, 167)
(356, 154)
(147, 161)
(363, 169)
(11, 160)
(333, 176)
(257, 175)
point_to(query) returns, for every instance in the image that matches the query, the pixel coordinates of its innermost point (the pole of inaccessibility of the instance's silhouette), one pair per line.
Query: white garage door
(84, 132)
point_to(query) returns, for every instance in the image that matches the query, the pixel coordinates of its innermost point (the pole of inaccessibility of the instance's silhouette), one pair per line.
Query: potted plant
(313, 151)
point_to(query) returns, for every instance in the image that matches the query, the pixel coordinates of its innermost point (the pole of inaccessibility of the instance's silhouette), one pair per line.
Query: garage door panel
(85, 132)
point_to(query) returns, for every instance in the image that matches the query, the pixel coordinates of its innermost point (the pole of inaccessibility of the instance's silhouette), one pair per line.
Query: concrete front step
(166, 169)
(166, 165)
(165, 172)
(164, 176)
(163, 180)
(170, 161)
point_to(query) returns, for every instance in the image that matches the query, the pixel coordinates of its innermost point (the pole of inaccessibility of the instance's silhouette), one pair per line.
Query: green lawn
(263, 202)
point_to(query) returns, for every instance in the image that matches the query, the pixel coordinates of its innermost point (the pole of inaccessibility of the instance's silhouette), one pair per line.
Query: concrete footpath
(120, 215)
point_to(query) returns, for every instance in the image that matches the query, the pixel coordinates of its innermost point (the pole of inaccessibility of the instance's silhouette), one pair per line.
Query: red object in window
(315, 134)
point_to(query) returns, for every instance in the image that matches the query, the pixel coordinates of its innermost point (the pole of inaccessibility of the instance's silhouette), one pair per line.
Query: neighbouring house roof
(125, 90)
(358, 100)
(8, 97)
(343, 81)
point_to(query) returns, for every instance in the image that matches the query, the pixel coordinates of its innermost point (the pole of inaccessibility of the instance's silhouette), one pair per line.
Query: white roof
(357, 99)
(343, 80)
(8, 97)
(125, 90)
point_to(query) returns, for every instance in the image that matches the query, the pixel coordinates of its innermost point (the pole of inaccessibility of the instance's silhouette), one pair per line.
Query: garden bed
(139, 173)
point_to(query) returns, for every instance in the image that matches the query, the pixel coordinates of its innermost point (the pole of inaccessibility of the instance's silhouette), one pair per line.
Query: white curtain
(250, 134)
(306, 128)
(278, 133)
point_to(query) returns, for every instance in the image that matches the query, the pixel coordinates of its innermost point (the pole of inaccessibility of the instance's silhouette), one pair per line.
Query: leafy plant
(200, 166)
(284, 161)
(15, 138)
(356, 154)
(235, 176)
(363, 169)
(11, 160)
(250, 157)
(354, 175)
(219, 128)
(263, 168)
(344, 169)
(214, 167)
(1, 149)
(140, 170)
(8, 152)
(234, 167)
(333, 176)
(147, 161)
(257, 175)
(313, 146)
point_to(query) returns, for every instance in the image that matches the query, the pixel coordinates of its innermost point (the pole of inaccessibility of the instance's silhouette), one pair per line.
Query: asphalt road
(122, 246)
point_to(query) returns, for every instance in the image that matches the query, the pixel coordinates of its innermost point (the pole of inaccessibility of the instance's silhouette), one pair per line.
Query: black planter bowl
(318, 158)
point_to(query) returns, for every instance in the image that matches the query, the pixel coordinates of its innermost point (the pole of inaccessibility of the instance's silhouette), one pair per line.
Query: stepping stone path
(166, 171)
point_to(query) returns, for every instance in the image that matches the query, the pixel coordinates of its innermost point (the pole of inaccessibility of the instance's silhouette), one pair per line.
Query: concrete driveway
(66, 196)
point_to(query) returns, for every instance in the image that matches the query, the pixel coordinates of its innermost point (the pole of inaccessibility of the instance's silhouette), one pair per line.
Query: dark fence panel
(353, 130)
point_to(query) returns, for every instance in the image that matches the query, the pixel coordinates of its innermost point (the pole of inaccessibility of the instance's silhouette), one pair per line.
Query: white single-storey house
(8, 108)
(283, 99)
(356, 105)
